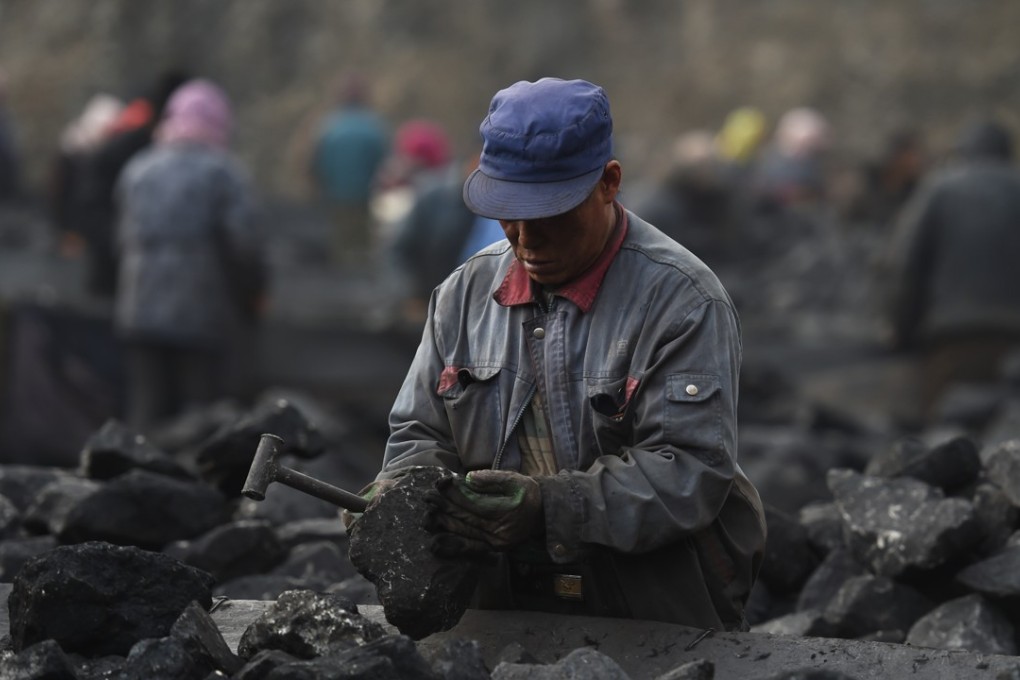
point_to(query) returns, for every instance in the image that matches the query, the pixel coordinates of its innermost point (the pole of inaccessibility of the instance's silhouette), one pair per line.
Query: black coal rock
(145, 509)
(115, 449)
(421, 593)
(44, 660)
(969, 623)
(98, 599)
(894, 525)
(307, 624)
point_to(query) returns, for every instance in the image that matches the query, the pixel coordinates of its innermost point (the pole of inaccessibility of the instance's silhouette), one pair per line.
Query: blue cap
(545, 145)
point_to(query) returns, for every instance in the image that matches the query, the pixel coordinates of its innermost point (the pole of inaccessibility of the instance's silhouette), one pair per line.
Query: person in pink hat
(192, 267)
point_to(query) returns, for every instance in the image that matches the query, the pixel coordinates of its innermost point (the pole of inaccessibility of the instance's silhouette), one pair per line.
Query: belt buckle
(568, 586)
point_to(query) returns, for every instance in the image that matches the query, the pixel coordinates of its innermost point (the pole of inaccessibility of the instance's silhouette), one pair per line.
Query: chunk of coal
(21, 484)
(203, 640)
(837, 567)
(894, 525)
(996, 516)
(167, 658)
(43, 659)
(232, 550)
(583, 663)
(147, 510)
(261, 665)
(459, 659)
(306, 624)
(225, 458)
(789, 557)
(1003, 468)
(115, 449)
(421, 593)
(396, 652)
(55, 501)
(948, 466)
(824, 525)
(869, 603)
(998, 576)
(969, 623)
(14, 552)
(98, 599)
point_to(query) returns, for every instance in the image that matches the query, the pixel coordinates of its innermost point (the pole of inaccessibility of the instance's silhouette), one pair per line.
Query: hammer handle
(313, 487)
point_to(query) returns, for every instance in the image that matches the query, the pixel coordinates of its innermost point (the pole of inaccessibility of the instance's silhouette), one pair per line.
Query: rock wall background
(668, 65)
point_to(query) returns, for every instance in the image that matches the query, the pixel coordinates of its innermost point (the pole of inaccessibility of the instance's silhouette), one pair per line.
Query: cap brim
(503, 200)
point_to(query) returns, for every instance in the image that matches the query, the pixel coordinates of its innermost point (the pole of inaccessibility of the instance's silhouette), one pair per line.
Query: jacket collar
(516, 288)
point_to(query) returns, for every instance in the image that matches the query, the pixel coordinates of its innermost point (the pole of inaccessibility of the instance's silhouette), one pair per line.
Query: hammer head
(263, 467)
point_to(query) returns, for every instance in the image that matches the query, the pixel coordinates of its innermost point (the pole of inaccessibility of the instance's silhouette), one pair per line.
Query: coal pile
(917, 543)
(921, 547)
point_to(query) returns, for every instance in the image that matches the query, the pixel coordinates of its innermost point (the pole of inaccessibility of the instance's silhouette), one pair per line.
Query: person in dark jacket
(187, 237)
(580, 377)
(955, 283)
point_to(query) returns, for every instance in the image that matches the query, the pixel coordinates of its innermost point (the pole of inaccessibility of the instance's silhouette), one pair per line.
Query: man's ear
(610, 182)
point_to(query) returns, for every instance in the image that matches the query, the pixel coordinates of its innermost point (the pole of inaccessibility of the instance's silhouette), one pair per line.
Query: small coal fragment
(948, 466)
(421, 593)
(583, 663)
(232, 550)
(115, 449)
(306, 624)
(202, 638)
(969, 623)
(145, 509)
(459, 659)
(225, 458)
(44, 660)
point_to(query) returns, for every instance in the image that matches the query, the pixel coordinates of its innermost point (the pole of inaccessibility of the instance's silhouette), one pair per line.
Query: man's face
(555, 250)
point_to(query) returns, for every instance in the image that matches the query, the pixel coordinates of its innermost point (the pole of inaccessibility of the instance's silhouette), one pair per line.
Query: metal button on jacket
(692, 390)
(538, 333)
(559, 550)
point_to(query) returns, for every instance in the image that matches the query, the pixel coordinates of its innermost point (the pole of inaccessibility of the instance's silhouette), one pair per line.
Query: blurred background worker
(955, 288)
(192, 276)
(350, 147)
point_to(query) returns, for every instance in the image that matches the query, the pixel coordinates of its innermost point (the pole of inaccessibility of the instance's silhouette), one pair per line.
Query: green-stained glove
(484, 511)
(370, 492)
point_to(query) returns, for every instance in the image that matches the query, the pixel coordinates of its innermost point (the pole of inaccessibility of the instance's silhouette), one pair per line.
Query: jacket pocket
(609, 402)
(692, 420)
(471, 397)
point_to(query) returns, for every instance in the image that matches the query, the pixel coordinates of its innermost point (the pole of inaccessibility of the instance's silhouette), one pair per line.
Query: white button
(692, 390)
(538, 333)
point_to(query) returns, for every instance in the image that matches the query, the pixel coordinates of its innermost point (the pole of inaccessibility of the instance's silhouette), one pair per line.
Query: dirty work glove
(369, 493)
(484, 511)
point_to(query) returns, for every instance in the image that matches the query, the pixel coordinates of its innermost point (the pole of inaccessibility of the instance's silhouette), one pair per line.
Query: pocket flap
(455, 379)
(691, 387)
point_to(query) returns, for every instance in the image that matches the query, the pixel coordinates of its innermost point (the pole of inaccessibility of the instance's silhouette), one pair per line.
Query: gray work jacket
(640, 383)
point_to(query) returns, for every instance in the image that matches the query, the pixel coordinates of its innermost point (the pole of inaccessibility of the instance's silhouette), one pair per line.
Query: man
(955, 286)
(583, 375)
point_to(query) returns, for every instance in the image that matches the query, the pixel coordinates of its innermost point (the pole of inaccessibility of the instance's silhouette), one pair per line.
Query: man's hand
(369, 493)
(484, 511)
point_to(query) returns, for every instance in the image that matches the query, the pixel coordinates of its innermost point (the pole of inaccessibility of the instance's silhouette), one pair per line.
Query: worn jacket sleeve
(676, 471)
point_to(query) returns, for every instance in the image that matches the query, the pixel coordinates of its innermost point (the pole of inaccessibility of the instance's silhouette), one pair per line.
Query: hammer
(265, 470)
